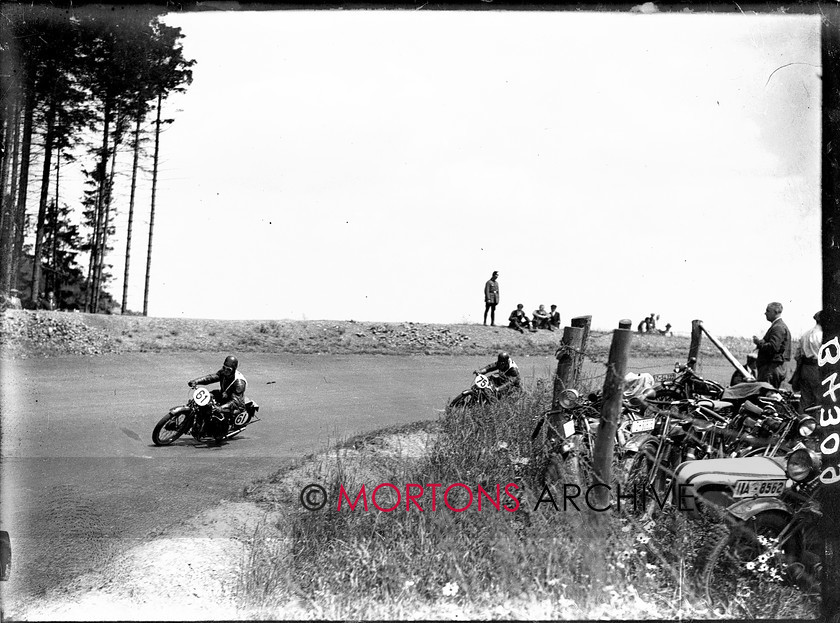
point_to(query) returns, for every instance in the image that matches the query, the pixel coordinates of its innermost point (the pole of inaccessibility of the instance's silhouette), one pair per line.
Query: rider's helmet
(503, 360)
(230, 364)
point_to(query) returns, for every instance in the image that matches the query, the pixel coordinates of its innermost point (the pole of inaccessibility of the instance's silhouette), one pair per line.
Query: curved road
(81, 480)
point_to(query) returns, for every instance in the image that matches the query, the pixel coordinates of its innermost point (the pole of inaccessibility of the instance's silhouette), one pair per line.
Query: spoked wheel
(741, 560)
(169, 428)
(636, 483)
(554, 469)
(462, 401)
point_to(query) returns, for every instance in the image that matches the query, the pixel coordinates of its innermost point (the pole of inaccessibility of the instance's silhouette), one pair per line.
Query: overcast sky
(379, 165)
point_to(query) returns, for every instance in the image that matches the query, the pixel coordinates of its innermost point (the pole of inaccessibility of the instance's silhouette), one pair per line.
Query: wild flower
(565, 602)
(750, 565)
(642, 538)
(450, 589)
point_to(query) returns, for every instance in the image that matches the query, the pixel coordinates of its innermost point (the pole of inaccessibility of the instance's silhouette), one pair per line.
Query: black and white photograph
(419, 311)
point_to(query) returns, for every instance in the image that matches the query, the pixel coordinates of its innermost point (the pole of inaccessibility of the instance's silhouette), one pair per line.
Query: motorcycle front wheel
(169, 428)
(463, 401)
(741, 560)
(636, 482)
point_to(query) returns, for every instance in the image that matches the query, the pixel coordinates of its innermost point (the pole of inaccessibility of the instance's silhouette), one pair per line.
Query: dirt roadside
(198, 569)
(25, 334)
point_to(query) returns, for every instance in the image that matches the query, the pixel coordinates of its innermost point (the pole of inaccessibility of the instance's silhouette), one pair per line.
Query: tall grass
(530, 563)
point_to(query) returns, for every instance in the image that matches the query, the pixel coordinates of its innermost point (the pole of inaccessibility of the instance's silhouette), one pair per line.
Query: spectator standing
(541, 319)
(491, 298)
(806, 378)
(554, 319)
(519, 319)
(773, 348)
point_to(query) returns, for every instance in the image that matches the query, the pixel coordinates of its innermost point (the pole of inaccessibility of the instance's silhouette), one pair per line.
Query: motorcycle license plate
(661, 378)
(758, 488)
(569, 428)
(640, 426)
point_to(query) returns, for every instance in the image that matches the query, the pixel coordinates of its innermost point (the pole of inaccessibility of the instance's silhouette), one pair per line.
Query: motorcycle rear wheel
(163, 436)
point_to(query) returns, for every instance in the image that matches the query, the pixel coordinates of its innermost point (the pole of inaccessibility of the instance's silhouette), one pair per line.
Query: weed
(493, 563)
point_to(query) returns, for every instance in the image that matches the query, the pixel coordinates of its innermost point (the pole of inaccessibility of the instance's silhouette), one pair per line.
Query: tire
(637, 479)
(162, 436)
(723, 568)
(465, 400)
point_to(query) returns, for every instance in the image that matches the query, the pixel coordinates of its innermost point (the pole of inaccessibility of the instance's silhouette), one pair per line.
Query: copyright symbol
(313, 497)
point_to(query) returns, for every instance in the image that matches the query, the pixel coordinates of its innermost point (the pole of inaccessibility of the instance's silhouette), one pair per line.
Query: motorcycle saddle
(715, 405)
(745, 390)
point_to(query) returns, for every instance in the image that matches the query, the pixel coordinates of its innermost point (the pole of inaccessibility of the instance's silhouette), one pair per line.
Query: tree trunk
(152, 213)
(102, 168)
(7, 233)
(20, 216)
(35, 292)
(137, 120)
(109, 196)
(54, 251)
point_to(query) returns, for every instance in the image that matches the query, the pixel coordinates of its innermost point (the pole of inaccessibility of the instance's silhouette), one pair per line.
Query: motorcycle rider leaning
(505, 374)
(230, 397)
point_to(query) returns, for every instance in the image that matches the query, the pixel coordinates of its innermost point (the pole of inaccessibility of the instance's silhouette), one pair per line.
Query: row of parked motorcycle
(742, 456)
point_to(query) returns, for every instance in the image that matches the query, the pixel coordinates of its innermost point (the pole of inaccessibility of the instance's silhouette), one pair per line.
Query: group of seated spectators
(542, 319)
(648, 325)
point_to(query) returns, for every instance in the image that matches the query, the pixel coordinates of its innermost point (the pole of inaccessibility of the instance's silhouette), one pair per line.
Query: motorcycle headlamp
(807, 425)
(803, 464)
(568, 398)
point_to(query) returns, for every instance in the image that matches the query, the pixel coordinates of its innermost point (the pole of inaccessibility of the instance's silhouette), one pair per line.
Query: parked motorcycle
(685, 432)
(565, 437)
(685, 384)
(773, 427)
(768, 535)
(201, 419)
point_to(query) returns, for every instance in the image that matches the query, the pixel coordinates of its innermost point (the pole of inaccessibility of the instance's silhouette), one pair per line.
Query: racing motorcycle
(770, 531)
(482, 392)
(201, 418)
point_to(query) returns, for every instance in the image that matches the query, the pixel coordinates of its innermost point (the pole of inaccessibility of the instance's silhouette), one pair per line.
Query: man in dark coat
(518, 319)
(773, 348)
(491, 298)
(554, 320)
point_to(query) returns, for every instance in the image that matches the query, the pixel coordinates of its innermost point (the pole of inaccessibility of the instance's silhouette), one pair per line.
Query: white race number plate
(758, 488)
(640, 426)
(569, 428)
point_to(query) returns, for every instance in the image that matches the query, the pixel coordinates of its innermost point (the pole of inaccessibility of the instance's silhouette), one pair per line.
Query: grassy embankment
(532, 563)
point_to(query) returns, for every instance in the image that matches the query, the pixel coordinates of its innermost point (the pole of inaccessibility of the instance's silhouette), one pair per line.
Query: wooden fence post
(581, 322)
(568, 358)
(829, 354)
(610, 412)
(694, 348)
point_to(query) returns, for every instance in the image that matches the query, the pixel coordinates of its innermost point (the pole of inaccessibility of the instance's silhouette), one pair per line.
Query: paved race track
(81, 479)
